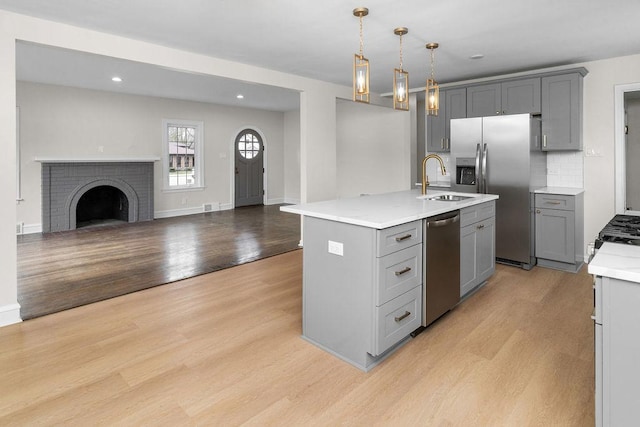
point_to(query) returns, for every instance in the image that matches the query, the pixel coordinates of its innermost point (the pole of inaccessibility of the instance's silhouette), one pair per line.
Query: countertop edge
(617, 261)
(565, 191)
(436, 208)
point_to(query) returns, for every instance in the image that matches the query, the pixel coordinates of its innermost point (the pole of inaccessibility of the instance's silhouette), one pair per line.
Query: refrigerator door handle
(485, 188)
(478, 178)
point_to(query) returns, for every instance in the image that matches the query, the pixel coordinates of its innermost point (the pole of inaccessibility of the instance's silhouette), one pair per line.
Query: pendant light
(432, 101)
(360, 65)
(400, 79)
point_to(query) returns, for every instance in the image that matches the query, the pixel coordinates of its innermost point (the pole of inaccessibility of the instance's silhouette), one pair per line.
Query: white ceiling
(318, 39)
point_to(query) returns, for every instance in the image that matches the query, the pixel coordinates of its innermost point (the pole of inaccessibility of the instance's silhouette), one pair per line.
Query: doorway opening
(249, 168)
(627, 148)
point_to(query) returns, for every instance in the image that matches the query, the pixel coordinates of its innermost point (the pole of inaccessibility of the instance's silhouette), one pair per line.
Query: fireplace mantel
(139, 159)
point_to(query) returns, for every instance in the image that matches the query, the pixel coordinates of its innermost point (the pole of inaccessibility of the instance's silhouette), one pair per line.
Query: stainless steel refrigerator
(502, 155)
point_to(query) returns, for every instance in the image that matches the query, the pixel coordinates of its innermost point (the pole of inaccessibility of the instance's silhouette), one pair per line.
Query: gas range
(623, 229)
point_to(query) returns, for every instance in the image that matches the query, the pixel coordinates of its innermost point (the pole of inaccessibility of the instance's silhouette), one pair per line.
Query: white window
(182, 148)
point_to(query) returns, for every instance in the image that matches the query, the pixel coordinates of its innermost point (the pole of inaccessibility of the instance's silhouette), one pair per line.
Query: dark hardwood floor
(57, 271)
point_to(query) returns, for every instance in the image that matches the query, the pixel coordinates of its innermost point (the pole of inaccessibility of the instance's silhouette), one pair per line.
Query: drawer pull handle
(480, 227)
(401, 238)
(404, 270)
(404, 316)
(552, 203)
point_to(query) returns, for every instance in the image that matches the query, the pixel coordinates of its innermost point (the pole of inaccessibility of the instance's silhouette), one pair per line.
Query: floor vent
(207, 207)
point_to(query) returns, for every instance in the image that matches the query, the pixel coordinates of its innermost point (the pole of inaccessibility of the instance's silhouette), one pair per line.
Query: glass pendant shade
(400, 89)
(360, 78)
(432, 101)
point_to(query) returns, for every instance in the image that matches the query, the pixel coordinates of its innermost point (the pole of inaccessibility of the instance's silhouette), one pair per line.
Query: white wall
(58, 121)
(292, 157)
(372, 149)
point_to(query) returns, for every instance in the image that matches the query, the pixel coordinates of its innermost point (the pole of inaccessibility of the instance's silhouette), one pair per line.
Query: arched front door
(249, 168)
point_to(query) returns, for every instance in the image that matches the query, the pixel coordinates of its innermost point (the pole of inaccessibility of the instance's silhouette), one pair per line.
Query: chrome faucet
(425, 178)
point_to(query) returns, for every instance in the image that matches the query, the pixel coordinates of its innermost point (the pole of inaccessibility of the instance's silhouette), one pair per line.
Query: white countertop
(618, 261)
(385, 210)
(565, 191)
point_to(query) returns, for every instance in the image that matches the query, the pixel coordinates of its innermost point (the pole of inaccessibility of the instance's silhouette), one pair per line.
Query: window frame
(198, 154)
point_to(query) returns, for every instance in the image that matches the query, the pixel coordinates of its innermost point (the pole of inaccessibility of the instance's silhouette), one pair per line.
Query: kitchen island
(363, 268)
(616, 268)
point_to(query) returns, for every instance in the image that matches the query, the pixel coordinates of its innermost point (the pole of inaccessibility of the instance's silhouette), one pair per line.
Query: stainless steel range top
(621, 229)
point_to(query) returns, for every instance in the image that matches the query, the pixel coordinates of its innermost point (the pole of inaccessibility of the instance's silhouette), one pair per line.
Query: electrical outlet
(336, 248)
(184, 200)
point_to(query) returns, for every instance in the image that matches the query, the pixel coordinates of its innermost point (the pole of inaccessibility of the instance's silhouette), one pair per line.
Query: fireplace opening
(102, 205)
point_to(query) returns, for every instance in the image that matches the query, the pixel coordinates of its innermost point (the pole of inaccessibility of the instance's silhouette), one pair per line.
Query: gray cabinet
(453, 105)
(477, 245)
(521, 96)
(362, 288)
(508, 97)
(484, 100)
(562, 112)
(617, 327)
(558, 231)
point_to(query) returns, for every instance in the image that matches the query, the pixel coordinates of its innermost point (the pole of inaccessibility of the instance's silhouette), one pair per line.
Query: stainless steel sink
(448, 198)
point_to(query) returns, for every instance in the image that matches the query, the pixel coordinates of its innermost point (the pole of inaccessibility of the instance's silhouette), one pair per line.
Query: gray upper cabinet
(453, 103)
(562, 112)
(556, 96)
(484, 100)
(509, 97)
(521, 96)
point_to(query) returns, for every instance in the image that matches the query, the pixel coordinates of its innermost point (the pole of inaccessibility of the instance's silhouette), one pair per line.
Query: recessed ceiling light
(240, 96)
(477, 56)
(116, 79)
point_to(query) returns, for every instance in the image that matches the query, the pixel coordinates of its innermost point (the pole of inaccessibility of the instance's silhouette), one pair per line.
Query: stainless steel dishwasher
(441, 245)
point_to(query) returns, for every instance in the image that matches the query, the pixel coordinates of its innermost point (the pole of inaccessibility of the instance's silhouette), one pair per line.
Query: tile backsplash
(565, 169)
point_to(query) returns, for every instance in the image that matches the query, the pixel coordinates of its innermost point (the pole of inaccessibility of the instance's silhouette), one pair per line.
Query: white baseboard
(290, 201)
(10, 314)
(190, 211)
(278, 201)
(177, 212)
(30, 229)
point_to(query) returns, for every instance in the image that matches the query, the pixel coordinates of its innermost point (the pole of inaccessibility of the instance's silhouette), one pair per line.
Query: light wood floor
(225, 349)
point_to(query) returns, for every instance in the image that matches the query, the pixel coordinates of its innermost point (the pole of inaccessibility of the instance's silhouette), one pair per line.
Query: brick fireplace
(65, 182)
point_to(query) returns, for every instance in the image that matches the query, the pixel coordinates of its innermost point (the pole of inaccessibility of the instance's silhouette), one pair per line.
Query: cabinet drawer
(477, 213)
(396, 319)
(555, 201)
(397, 273)
(401, 236)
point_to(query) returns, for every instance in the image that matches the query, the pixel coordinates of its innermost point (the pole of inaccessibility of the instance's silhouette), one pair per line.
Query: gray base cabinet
(362, 288)
(477, 246)
(558, 224)
(617, 352)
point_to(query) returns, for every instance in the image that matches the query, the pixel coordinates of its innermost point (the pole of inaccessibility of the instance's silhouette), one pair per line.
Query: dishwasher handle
(443, 222)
